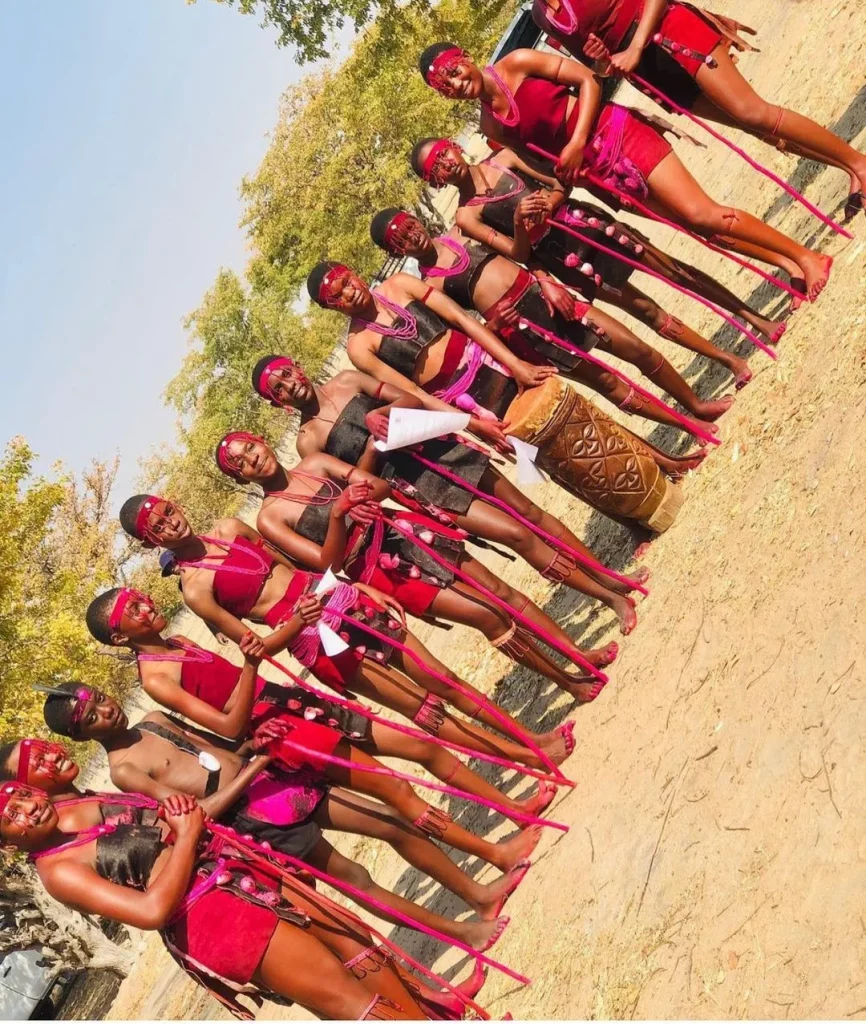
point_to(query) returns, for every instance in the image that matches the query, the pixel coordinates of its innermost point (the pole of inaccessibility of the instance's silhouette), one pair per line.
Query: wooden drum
(585, 451)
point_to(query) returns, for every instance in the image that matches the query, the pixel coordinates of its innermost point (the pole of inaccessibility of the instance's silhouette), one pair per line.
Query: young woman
(285, 807)
(456, 483)
(158, 873)
(399, 334)
(476, 277)
(229, 575)
(684, 53)
(235, 703)
(509, 205)
(526, 100)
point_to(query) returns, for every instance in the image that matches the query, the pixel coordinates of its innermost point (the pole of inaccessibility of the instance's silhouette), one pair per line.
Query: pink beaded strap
(408, 324)
(185, 653)
(483, 199)
(459, 265)
(568, 26)
(261, 568)
(512, 118)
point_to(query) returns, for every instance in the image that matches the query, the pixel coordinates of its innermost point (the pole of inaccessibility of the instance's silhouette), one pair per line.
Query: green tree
(340, 147)
(58, 550)
(307, 24)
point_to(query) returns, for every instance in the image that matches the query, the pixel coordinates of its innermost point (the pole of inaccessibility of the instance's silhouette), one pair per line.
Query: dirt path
(716, 860)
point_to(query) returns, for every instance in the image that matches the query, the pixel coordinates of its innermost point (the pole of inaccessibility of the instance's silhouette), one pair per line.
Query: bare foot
(624, 609)
(713, 410)
(601, 656)
(642, 549)
(742, 372)
(585, 691)
(799, 285)
(540, 801)
(641, 576)
(677, 469)
(483, 935)
(816, 271)
(512, 851)
(496, 894)
(559, 744)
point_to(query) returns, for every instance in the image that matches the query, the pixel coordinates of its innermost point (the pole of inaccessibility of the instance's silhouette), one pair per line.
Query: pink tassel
(633, 201)
(362, 897)
(539, 531)
(440, 787)
(506, 726)
(418, 734)
(537, 630)
(659, 95)
(673, 284)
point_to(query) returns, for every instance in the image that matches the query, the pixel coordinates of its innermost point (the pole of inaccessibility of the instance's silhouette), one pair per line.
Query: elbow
(153, 917)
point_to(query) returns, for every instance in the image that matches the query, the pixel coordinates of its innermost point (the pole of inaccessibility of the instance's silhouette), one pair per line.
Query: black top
(126, 856)
(402, 353)
(459, 286)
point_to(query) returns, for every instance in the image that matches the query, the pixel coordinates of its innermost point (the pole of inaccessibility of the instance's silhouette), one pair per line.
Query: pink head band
(126, 595)
(224, 459)
(264, 379)
(328, 282)
(9, 789)
(141, 524)
(33, 749)
(437, 73)
(428, 168)
(397, 222)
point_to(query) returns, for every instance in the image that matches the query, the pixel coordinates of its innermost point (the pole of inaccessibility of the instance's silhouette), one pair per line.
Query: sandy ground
(716, 861)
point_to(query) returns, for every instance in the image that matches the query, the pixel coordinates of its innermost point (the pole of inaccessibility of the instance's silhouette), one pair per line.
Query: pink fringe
(684, 421)
(230, 836)
(659, 95)
(516, 733)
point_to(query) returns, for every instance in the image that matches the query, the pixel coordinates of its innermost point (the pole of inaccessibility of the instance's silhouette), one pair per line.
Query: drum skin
(585, 451)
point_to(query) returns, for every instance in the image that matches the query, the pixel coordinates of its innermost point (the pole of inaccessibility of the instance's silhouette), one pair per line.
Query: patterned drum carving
(605, 465)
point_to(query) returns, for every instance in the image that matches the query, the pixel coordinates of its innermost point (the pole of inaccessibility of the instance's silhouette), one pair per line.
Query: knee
(754, 112)
(358, 876)
(648, 312)
(493, 622)
(610, 386)
(646, 358)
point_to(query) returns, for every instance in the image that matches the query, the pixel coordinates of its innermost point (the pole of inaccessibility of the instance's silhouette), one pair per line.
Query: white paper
(332, 643)
(327, 583)
(411, 426)
(526, 454)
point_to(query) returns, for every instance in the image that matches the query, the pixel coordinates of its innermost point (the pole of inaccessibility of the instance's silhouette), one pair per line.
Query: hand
(252, 648)
(595, 49)
(384, 601)
(531, 211)
(568, 167)
(529, 376)
(377, 424)
(367, 513)
(272, 731)
(183, 816)
(309, 608)
(557, 298)
(508, 316)
(492, 433)
(354, 494)
(626, 61)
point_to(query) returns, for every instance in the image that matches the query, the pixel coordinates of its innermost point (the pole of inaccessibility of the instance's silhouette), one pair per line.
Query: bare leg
(489, 522)
(348, 812)
(387, 686)
(398, 794)
(649, 312)
(298, 966)
(672, 185)
(625, 345)
(708, 288)
(726, 88)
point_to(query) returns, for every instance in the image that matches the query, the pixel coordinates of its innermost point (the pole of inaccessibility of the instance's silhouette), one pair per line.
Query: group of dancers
(216, 836)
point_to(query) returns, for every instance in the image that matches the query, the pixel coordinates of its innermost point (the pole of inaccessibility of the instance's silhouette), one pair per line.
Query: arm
(626, 61)
(524, 373)
(81, 888)
(233, 723)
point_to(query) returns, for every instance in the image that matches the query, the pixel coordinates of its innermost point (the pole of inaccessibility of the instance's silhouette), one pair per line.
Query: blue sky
(126, 128)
